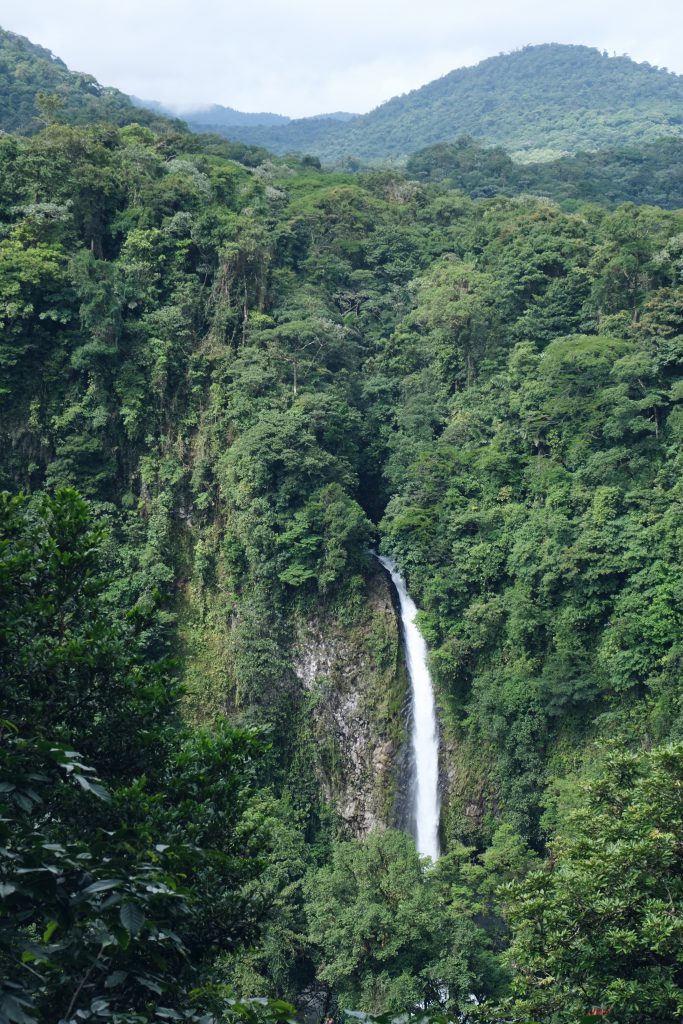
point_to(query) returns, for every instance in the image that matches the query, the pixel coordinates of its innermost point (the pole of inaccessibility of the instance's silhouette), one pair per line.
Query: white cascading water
(425, 732)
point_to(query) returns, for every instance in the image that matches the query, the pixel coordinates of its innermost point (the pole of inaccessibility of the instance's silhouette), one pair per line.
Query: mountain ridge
(539, 103)
(215, 115)
(543, 100)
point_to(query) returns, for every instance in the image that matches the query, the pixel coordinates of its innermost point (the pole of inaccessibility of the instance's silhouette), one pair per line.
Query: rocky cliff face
(357, 699)
(347, 695)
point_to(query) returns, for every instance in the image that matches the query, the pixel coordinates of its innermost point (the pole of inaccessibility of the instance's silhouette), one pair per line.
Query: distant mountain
(322, 136)
(537, 102)
(213, 117)
(216, 117)
(28, 71)
(337, 115)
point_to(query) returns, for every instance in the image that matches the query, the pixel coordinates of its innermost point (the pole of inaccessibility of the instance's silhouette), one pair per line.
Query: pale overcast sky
(301, 57)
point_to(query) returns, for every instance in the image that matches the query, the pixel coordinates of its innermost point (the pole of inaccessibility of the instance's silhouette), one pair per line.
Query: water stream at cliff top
(425, 731)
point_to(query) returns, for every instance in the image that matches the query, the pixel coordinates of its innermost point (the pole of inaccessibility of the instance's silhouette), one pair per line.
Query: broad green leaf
(116, 979)
(132, 918)
(103, 885)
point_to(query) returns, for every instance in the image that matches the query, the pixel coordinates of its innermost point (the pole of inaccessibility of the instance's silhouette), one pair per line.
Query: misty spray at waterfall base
(424, 726)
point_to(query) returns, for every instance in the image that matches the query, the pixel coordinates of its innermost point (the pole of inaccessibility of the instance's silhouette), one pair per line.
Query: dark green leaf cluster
(600, 924)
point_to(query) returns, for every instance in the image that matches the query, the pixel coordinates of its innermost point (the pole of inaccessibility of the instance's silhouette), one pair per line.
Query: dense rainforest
(225, 378)
(648, 174)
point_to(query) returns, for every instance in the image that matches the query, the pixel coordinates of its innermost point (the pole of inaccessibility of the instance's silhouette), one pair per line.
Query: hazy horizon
(292, 57)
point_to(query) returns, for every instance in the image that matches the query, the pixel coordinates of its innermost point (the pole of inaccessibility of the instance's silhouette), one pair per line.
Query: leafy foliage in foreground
(373, 914)
(116, 885)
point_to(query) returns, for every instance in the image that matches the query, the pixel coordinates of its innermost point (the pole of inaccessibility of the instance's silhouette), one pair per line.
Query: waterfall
(425, 734)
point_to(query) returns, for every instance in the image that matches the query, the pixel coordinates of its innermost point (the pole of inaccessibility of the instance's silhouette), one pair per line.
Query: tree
(88, 917)
(120, 883)
(392, 935)
(600, 924)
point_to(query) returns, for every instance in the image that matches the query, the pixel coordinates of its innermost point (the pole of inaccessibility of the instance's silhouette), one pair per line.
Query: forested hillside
(37, 87)
(538, 102)
(226, 377)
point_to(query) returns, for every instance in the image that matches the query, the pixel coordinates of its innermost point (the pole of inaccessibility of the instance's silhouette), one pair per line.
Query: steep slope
(36, 87)
(537, 101)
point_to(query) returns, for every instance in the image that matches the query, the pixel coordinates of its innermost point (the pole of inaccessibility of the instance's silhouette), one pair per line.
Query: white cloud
(306, 56)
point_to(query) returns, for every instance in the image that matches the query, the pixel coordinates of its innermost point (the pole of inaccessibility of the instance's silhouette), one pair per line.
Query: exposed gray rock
(357, 696)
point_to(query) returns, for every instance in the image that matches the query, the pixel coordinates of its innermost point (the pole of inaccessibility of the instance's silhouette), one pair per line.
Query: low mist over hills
(563, 96)
(213, 117)
(216, 117)
(538, 103)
